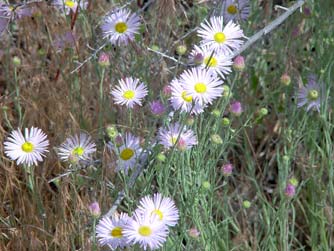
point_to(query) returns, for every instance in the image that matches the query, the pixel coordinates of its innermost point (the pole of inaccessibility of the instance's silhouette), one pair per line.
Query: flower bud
(236, 108)
(94, 209)
(263, 112)
(215, 138)
(226, 122)
(285, 79)
(167, 90)
(290, 190)
(239, 63)
(111, 132)
(104, 60)
(216, 113)
(206, 185)
(293, 181)
(193, 232)
(246, 204)
(16, 61)
(198, 58)
(227, 169)
(181, 50)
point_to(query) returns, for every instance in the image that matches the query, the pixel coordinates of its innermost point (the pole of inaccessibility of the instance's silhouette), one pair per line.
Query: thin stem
(18, 105)
(101, 102)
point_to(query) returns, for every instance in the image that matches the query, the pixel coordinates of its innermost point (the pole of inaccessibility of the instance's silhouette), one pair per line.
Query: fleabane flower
(216, 37)
(174, 135)
(146, 231)
(70, 5)
(129, 92)
(310, 95)
(236, 10)
(214, 62)
(78, 147)
(110, 232)
(28, 149)
(129, 153)
(120, 26)
(161, 207)
(181, 100)
(201, 85)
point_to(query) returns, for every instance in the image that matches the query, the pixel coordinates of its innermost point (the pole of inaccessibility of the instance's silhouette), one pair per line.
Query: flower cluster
(148, 226)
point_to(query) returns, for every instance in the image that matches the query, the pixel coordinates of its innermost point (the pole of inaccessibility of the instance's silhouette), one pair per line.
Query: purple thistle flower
(290, 190)
(236, 108)
(157, 108)
(227, 169)
(310, 95)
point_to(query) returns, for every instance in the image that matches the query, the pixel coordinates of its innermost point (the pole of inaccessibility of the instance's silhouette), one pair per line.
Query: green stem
(17, 88)
(101, 102)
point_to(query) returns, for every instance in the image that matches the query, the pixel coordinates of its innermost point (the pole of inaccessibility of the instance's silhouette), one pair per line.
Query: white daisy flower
(161, 207)
(129, 92)
(78, 147)
(201, 85)
(172, 135)
(146, 231)
(120, 26)
(214, 62)
(180, 99)
(235, 10)
(27, 149)
(129, 153)
(216, 37)
(70, 5)
(110, 231)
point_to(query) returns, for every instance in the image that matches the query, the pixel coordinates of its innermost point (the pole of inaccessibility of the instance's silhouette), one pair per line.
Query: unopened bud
(285, 79)
(94, 209)
(215, 138)
(104, 60)
(111, 132)
(246, 204)
(181, 50)
(16, 61)
(239, 63)
(226, 122)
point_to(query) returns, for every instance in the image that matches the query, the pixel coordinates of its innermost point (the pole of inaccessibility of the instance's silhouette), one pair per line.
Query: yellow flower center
(121, 27)
(220, 37)
(117, 232)
(313, 95)
(211, 62)
(145, 231)
(27, 147)
(200, 87)
(70, 4)
(127, 154)
(186, 97)
(173, 140)
(158, 213)
(232, 9)
(129, 94)
(79, 151)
